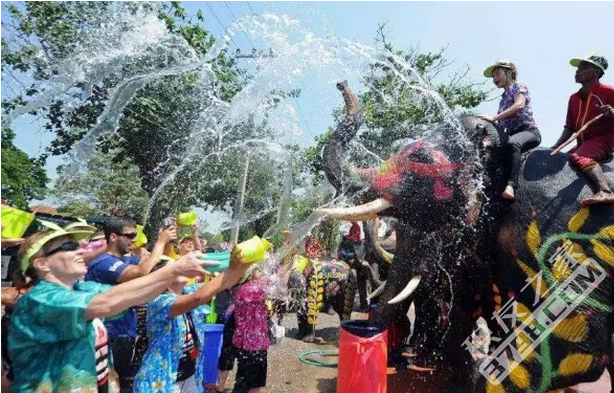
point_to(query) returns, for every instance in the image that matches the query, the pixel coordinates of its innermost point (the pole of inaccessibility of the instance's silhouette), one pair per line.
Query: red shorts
(590, 152)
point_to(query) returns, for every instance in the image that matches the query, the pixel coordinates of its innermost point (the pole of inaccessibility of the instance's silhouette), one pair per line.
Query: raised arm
(223, 281)
(146, 264)
(143, 289)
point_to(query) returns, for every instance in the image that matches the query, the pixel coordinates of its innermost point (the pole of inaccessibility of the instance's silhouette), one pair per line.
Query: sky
(539, 37)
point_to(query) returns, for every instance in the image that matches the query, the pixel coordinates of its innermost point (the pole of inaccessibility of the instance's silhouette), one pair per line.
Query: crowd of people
(97, 311)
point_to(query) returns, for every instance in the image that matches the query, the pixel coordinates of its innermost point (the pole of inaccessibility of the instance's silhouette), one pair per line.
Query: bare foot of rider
(508, 193)
(352, 104)
(600, 197)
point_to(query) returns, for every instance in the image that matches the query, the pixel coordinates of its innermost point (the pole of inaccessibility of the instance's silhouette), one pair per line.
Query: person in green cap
(515, 116)
(56, 339)
(594, 100)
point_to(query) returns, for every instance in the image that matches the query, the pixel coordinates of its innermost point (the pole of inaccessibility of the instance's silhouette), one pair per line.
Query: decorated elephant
(462, 251)
(333, 282)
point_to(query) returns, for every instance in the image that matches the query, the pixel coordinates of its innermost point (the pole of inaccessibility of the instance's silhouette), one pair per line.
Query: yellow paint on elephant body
(530, 273)
(575, 364)
(495, 388)
(573, 329)
(534, 238)
(605, 253)
(524, 344)
(578, 219)
(519, 375)
(607, 232)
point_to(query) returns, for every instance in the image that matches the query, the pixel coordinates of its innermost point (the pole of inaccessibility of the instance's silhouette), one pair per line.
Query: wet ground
(287, 374)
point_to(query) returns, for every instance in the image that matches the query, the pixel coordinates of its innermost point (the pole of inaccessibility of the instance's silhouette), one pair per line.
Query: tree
(105, 188)
(23, 178)
(396, 108)
(158, 123)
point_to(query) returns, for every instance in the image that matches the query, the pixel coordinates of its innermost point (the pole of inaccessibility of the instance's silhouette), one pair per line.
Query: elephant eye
(421, 156)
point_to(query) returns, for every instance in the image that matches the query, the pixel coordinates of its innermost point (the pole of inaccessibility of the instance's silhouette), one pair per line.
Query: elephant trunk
(340, 174)
(404, 280)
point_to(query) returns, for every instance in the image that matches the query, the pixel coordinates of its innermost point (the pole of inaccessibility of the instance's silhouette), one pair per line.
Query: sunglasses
(68, 246)
(128, 235)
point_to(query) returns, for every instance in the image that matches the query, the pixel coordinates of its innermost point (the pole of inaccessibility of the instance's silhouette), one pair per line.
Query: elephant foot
(331, 311)
(397, 360)
(310, 338)
(425, 361)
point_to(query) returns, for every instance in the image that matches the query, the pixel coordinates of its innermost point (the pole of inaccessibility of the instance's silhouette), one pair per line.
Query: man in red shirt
(597, 142)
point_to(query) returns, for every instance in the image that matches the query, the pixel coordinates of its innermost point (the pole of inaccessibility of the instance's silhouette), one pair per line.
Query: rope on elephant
(305, 358)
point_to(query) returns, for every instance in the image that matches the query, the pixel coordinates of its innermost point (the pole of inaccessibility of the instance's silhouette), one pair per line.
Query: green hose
(303, 357)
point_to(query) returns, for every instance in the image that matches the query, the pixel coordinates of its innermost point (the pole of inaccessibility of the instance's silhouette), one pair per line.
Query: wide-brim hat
(57, 232)
(188, 237)
(595, 60)
(503, 63)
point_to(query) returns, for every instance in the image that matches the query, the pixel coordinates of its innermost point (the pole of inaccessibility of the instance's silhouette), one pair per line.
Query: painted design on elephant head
(420, 159)
(574, 329)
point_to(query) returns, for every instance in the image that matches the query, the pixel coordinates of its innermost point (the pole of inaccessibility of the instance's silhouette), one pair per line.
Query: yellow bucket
(187, 219)
(254, 249)
(141, 239)
(300, 263)
(15, 222)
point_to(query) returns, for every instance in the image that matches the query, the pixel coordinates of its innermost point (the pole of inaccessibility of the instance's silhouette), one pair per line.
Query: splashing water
(302, 61)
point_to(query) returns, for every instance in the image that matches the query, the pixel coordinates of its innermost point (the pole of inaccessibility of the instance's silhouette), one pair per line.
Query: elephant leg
(280, 310)
(349, 293)
(428, 335)
(301, 319)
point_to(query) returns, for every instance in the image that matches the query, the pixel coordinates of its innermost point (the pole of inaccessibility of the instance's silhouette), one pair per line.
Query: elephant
(463, 252)
(334, 282)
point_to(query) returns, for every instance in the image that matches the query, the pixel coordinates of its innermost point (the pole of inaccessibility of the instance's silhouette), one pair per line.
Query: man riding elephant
(463, 251)
(594, 100)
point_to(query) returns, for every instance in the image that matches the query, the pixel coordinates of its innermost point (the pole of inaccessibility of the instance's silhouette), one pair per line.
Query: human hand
(6, 243)
(488, 118)
(195, 228)
(190, 265)
(237, 267)
(144, 253)
(607, 110)
(167, 235)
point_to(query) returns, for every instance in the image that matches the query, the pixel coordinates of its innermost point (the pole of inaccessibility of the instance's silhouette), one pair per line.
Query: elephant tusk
(377, 292)
(408, 290)
(362, 212)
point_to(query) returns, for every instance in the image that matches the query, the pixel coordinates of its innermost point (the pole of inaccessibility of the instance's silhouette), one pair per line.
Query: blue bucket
(213, 348)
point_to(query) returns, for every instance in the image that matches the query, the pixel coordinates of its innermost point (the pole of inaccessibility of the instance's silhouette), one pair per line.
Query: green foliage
(23, 178)
(395, 109)
(155, 127)
(105, 188)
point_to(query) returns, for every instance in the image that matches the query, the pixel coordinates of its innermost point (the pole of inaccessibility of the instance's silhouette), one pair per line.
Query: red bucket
(362, 358)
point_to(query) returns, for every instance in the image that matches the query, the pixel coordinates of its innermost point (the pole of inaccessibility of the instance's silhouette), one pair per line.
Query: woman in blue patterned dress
(515, 116)
(176, 325)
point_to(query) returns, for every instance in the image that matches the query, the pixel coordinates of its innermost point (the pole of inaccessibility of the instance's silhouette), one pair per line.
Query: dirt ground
(286, 374)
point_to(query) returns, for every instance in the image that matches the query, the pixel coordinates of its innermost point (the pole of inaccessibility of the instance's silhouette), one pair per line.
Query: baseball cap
(596, 60)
